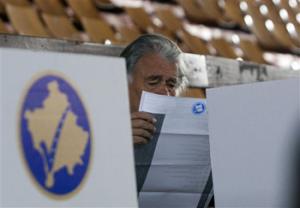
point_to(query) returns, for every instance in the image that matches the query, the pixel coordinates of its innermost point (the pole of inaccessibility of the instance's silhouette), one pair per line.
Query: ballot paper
(173, 169)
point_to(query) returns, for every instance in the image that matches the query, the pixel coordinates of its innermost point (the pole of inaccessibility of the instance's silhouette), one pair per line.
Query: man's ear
(130, 85)
(129, 78)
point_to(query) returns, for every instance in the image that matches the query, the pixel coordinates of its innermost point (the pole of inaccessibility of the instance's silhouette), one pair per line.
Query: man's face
(152, 73)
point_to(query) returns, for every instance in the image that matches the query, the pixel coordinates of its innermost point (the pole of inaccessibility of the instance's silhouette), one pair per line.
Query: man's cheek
(172, 93)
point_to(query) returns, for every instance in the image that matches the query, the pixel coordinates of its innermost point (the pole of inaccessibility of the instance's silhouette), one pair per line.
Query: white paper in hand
(174, 170)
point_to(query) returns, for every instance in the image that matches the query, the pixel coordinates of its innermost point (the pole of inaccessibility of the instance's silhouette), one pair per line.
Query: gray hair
(152, 43)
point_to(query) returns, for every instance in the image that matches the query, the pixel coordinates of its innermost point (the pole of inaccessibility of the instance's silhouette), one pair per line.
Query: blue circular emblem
(55, 135)
(198, 108)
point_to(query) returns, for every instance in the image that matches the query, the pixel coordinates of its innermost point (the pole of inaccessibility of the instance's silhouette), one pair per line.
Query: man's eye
(171, 84)
(153, 82)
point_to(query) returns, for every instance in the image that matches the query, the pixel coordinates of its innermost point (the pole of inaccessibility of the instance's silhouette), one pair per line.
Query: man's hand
(142, 127)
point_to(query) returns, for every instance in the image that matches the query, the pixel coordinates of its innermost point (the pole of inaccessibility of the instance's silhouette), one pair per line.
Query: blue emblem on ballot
(55, 135)
(198, 108)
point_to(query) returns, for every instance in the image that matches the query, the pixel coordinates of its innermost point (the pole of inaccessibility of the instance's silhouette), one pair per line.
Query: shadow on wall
(294, 183)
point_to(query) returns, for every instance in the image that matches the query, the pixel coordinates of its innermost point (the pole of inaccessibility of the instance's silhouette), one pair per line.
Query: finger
(142, 124)
(144, 116)
(139, 140)
(142, 133)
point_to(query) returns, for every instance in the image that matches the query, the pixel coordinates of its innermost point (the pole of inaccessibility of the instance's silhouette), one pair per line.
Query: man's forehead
(149, 57)
(155, 64)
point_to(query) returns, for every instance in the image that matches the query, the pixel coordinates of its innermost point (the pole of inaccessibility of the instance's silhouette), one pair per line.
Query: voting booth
(66, 135)
(254, 144)
(65, 131)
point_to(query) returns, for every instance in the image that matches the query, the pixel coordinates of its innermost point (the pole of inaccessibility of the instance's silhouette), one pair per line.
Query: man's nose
(163, 90)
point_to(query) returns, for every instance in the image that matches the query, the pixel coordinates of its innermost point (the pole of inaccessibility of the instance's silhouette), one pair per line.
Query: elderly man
(153, 65)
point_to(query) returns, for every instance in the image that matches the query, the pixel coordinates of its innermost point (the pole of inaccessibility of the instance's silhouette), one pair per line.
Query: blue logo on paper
(55, 135)
(198, 108)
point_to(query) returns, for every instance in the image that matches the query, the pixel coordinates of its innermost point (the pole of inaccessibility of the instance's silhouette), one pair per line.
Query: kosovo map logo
(55, 135)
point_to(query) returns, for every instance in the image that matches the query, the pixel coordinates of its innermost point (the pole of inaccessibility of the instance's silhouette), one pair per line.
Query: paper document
(173, 169)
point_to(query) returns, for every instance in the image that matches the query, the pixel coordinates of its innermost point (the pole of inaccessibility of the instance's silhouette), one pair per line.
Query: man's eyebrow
(153, 77)
(172, 79)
